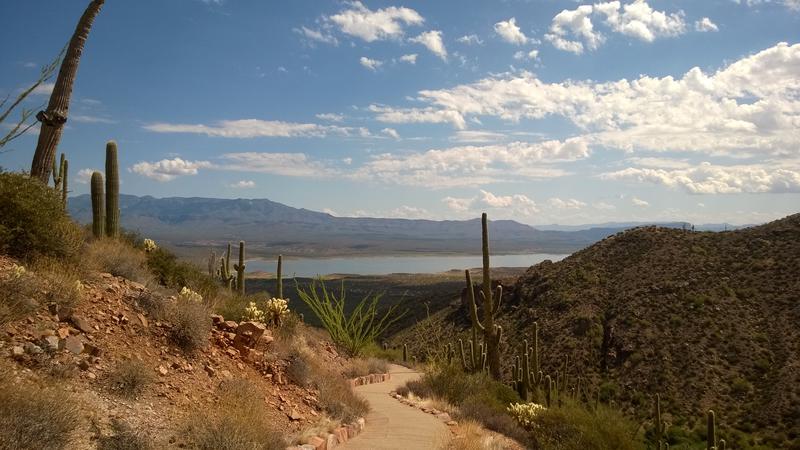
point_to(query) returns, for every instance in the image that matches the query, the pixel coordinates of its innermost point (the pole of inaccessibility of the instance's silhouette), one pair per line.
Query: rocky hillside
(708, 320)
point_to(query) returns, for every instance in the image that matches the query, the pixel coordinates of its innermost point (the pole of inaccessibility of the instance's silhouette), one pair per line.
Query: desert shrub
(389, 354)
(358, 367)
(32, 415)
(572, 426)
(118, 258)
(492, 414)
(175, 274)
(33, 222)
(61, 281)
(154, 304)
(130, 378)
(19, 288)
(239, 421)
(300, 370)
(290, 326)
(351, 331)
(191, 323)
(338, 399)
(232, 306)
(124, 438)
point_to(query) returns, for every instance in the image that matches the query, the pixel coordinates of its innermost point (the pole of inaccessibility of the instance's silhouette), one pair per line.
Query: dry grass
(338, 399)
(472, 436)
(19, 296)
(321, 427)
(124, 438)
(118, 258)
(358, 367)
(237, 422)
(60, 281)
(191, 323)
(36, 417)
(130, 378)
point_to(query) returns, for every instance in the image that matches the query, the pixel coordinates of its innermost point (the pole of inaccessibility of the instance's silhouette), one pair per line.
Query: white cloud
(532, 55)
(510, 32)
(371, 64)
(458, 204)
(470, 39)
(168, 169)
(714, 179)
(432, 40)
(407, 212)
(473, 165)
(386, 23)
(705, 25)
(411, 58)
(751, 106)
(330, 117)
(639, 202)
(253, 128)
(603, 206)
(243, 184)
(576, 24)
(569, 203)
(43, 89)
(793, 5)
(90, 119)
(316, 35)
(476, 136)
(286, 164)
(85, 175)
(391, 132)
(509, 205)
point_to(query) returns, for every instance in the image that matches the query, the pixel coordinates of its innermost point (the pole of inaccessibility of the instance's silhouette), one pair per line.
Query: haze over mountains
(191, 224)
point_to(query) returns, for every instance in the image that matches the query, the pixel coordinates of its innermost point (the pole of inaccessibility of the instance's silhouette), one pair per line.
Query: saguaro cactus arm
(112, 190)
(98, 205)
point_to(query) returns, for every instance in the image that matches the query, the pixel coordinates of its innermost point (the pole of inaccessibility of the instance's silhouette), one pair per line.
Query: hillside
(708, 320)
(191, 225)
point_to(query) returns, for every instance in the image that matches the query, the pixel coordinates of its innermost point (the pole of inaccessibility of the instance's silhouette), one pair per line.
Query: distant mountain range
(191, 225)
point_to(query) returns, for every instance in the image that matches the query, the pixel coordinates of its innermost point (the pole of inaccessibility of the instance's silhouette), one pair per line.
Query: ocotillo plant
(492, 333)
(225, 269)
(239, 268)
(279, 275)
(98, 205)
(112, 190)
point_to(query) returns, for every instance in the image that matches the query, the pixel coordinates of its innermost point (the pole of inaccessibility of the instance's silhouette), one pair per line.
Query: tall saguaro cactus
(225, 268)
(98, 205)
(55, 116)
(239, 268)
(492, 333)
(60, 182)
(112, 190)
(279, 276)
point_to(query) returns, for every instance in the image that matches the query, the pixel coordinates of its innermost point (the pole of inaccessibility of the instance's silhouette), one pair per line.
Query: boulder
(229, 325)
(318, 443)
(17, 352)
(73, 344)
(51, 343)
(330, 441)
(81, 323)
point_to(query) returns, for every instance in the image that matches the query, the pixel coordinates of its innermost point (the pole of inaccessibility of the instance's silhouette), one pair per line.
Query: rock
(81, 323)
(84, 364)
(248, 334)
(64, 313)
(162, 370)
(51, 343)
(294, 415)
(93, 350)
(330, 441)
(72, 344)
(210, 370)
(226, 374)
(317, 442)
(32, 348)
(361, 423)
(63, 332)
(142, 320)
(452, 423)
(17, 352)
(352, 431)
(52, 308)
(341, 434)
(444, 417)
(216, 320)
(229, 325)
(231, 352)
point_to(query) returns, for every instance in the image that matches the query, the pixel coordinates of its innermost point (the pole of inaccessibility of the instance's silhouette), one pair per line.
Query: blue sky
(541, 111)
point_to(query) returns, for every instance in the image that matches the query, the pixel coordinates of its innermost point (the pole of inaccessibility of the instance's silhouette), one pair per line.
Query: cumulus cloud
(168, 169)
(639, 202)
(714, 179)
(391, 132)
(371, 64)
(85, 175)
(574, 31)
(510, 32)
(369, 25)
(751, 106)
(312, 35)
(793, 5)
(569, 203)
(473, 165)
(470, 39)
(411, 58)
(243, 184)
(514, 205)
(432, 40)
(532, 55)
(330, 117)
(705, 25)
(253, 128)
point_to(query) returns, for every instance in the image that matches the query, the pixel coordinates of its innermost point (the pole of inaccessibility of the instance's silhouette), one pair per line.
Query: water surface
(383, 265)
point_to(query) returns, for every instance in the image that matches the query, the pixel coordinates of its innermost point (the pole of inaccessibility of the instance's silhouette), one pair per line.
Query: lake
(383, 265)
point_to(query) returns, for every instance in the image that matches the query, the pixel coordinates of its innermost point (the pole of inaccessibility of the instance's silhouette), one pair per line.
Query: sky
(540, 111)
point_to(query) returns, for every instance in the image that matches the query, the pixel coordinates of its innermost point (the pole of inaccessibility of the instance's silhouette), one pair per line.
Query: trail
(393, 425)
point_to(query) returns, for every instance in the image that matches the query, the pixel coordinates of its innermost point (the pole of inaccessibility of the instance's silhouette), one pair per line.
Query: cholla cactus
(17, 271)
(524, 413)
(150, 245)
(253, 314)
(190, 295)
(276, 309)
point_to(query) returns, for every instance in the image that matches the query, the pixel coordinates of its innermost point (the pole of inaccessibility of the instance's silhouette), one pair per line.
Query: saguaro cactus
(475, 361)
(212, 263)
(55, 116)
(661, 426)
(279, 275)
(60, 178)
(225, 268)
(711, 434)
(112, 190)
(492, 333)
(98, 205)
(239, 268)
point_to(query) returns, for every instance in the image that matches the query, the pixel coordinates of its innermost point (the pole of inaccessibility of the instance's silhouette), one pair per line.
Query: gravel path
(393, 425)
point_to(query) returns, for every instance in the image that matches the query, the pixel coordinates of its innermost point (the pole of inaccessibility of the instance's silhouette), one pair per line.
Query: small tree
(354, 331)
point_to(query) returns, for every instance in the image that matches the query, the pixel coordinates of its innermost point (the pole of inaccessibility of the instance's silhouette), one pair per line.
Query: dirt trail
(393, 425)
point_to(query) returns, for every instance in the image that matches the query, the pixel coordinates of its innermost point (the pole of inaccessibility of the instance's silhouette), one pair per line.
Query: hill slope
(271, 228)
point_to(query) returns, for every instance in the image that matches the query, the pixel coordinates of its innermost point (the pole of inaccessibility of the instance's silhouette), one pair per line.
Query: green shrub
(175, 274)
(130, 378)
(33, 417)
(191, 323)
(351, 331)
(33, 222)
(238, 420)
(573, 427)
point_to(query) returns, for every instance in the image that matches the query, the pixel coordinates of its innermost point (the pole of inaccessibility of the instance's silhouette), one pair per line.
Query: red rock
(63, 332)
(341, 434)
(229, 325)
(142, 320)
(81, 323)
(72, 344)
(318, 443)
(216, 319)
(64, 313)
